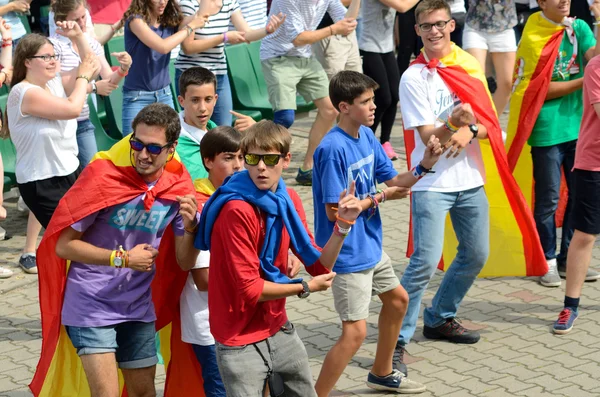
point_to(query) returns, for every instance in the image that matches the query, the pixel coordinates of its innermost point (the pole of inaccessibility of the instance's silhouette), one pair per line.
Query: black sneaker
(451, 331)
(398, 359)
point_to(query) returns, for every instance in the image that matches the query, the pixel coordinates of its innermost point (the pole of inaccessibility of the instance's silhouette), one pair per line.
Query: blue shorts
(133, 342)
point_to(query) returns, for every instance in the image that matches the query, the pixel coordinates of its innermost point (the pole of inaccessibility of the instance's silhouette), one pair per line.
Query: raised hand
(349, 207)
(68, 29)
(124, 60)
(275, 22)
(188, 208)
(89, 65)
(242, 122)
(432, 152)
(462, 115)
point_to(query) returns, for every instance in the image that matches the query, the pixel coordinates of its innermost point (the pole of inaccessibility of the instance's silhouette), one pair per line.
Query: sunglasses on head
(152, 148)
(268, 159)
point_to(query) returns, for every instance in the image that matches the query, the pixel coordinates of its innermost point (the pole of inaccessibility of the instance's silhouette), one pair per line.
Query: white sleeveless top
(45, 148)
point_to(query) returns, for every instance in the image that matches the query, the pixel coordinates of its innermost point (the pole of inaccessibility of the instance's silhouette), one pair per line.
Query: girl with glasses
(40, 120)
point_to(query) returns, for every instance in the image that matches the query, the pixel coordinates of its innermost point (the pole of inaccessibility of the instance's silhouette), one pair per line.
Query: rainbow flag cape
(536, 55)
(514, 243)
(108, 180)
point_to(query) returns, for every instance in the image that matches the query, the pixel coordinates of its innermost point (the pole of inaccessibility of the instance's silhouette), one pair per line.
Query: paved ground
(517, 356)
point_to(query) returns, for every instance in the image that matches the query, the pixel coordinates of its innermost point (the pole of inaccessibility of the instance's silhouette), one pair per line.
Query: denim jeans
(469, 212)
(207, 357)
(244, 371)
(134, 101)
(548, 161)
(86, 141)
(221, 115)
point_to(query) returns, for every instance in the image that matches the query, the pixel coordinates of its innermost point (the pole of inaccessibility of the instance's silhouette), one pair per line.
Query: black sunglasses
(268, 159)
(152, 148)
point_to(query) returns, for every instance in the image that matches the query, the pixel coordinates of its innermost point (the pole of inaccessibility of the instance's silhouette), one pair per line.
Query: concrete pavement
(517, 355)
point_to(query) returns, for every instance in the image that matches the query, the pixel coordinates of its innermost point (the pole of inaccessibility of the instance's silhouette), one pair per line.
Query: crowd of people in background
(175, 183)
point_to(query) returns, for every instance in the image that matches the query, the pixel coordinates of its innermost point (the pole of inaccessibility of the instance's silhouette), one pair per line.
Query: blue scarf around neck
(280, 212)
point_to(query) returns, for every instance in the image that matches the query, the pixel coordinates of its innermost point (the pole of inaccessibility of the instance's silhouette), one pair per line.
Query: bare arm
(400, 5)
(597, 109)
(558, 89)
(200, 277)
(69, 246)
(185, 252)
(354, 9)
(143, 32)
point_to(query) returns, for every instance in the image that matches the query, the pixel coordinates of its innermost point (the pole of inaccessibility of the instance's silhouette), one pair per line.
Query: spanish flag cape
(536, 55)
(108, 180)
(514, 243)
(183, 367)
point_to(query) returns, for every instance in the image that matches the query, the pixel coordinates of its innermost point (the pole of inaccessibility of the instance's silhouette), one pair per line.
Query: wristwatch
(305, 291)
(474, 130)
(94, 87)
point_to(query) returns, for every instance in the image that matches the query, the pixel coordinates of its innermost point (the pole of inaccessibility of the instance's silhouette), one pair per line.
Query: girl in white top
(40, 119)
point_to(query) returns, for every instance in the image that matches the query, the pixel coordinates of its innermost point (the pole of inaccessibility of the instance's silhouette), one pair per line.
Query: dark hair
(428, 6)
(347, 85)
(28, 46)
(223, 139)
(266, 135)
(171, 17)
(61, 8)
(160, 115)
(196, 75)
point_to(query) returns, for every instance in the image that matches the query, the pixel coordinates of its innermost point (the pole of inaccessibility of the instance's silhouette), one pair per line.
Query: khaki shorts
(337, 53)
(286, 76)
(352, 292)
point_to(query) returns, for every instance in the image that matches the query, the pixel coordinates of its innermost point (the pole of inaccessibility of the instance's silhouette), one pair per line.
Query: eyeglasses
(47, 58)
(151, 147)
(268, 159)
(440, 25)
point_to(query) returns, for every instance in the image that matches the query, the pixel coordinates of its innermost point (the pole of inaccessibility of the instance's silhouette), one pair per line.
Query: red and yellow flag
(514, 243)
(108, 180)
(536, 55)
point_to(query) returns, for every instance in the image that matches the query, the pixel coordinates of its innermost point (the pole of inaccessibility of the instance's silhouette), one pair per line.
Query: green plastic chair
(103, 140)
(25, 21)
(172, 85)
(248, 86)
(116, 44)
(44, 11)
(114, 112)
(9, 153)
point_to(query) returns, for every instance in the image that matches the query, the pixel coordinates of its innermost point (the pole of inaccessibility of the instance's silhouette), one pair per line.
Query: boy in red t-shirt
(249, 224)
(586, 206)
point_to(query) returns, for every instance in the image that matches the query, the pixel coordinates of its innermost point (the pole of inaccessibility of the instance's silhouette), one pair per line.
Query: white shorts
(505, 41)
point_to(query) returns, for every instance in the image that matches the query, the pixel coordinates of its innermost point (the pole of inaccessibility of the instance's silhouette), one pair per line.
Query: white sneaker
(21, 206)
(5, 273)
(552, 278)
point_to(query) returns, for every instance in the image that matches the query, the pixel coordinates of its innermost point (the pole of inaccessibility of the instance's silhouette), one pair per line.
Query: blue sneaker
(28, 263)
(396, 381)
(565, 321)
(304, 178)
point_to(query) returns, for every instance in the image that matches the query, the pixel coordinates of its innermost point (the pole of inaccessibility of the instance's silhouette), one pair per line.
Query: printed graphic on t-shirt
(562, 71)
(362, 173)
(135, 217)
(445, 101)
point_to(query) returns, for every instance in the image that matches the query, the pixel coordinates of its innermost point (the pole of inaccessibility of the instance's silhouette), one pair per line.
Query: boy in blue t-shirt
(350, 152)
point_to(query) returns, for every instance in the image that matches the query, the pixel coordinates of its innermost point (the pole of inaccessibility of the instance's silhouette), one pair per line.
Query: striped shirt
(301, 16)
(69, 60)
(212, 59)
(254, 12)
